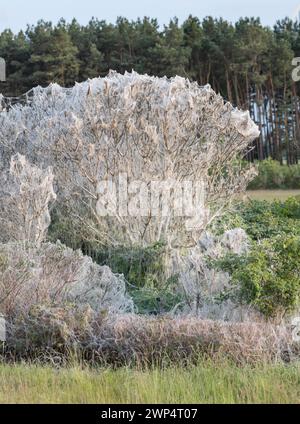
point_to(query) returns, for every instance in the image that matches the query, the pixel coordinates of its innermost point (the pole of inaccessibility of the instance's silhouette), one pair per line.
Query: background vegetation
(272, 175)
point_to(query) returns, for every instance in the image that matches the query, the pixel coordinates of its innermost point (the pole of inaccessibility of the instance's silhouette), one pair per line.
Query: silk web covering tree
(147, 128)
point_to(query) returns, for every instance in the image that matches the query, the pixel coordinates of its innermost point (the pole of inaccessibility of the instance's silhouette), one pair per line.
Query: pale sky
(16, 14)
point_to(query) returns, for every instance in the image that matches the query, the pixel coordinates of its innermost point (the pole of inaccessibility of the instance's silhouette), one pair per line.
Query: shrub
(269, 276)
(261, 219)
(51, 274)
(151, 129)
(26, 195)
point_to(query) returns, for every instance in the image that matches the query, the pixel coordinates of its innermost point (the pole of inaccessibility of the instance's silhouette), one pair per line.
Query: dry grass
(53, 334)
(152, 340)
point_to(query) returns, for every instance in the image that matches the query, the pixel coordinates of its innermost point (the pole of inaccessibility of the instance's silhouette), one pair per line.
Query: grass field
(270, 195)
(205, 383)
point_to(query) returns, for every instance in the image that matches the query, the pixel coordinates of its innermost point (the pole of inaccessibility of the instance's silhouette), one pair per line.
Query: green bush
(268, 278)
(273, 175)
(265, 220)
(262, 219)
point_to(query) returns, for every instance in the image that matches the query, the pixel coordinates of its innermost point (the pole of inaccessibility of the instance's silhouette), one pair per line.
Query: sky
(16, 14)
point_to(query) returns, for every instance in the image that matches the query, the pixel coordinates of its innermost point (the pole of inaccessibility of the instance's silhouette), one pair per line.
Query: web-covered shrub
(145, 127)
(206, 289)
(25, 196)
(51, 274)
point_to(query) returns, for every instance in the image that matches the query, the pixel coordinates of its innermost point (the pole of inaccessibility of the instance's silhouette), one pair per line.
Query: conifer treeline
(249, 64)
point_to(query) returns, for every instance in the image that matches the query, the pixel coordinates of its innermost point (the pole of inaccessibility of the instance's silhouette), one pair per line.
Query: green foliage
(53, 55)
(142, 267)
(229, 56)
(261, 219)
(156, 300)
(273, 175)
(269, 276)
(230, 219)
